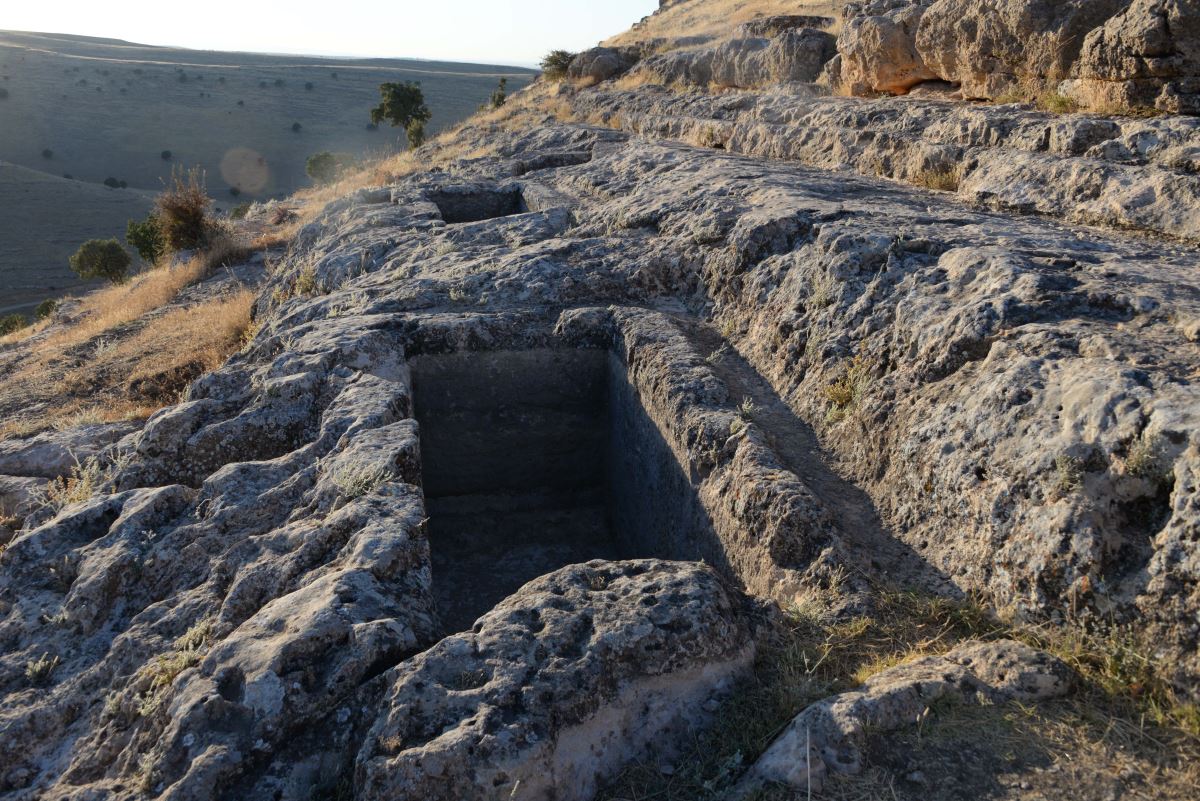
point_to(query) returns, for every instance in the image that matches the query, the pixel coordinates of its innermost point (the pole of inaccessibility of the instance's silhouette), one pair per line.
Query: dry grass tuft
(938, 180)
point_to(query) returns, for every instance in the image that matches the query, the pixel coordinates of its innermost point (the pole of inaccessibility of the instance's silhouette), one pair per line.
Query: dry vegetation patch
(1124, 721)
(717, 18)
(125, 351)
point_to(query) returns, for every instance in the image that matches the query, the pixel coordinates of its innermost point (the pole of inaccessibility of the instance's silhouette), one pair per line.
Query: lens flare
(246, 169)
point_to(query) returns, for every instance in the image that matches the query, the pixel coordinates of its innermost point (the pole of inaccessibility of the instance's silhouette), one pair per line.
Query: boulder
(991, 46)
(601, 63)
(1146, 56)
(877, 48)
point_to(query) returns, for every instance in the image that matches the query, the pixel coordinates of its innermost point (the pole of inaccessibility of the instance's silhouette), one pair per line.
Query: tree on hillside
(554, 65)
(403, 105)
(101, 258)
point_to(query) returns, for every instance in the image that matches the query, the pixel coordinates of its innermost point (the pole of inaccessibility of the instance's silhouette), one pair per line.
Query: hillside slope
(109, 109)
(45, 220)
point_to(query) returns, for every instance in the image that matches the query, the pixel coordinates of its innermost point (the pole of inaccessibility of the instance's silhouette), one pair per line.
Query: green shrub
(166, 155)
(308, 87)
(3, 93)
(554, 65)
(101, 258)
(45, 308)
(47, 153)
(403, 105)
(415, 132)
(240, 211)
(499, 94)
(11, 322)
(112, 183)
(146, 237)
(325, 167)
(296, 127)
(183, 211)
(235, 191)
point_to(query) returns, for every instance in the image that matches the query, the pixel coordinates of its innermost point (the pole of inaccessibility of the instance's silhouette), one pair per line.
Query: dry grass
(718, 18)
(938, 180)
(1121, 713)
(132, 373)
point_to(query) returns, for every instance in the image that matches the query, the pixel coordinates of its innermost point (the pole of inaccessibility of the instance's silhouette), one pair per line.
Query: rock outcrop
(1110, 53)
(991, 48)
(877, 48)
(528, 447)
(1146, 56)
(793, 55)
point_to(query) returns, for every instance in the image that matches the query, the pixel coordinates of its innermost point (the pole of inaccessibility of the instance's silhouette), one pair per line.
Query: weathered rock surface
(877, 48)
(990, 47)
(1115, 53)
(248, 605)
(1146, 56)
(559, 687)
(792, 55)
(827, 737)
(602, 63)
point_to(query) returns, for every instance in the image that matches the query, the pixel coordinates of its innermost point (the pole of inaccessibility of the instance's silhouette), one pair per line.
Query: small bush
(239, 211)
(166, 155)
(47, 153)
(38, 672)
(146, 237)
(241, 102)
(3, 93)
(296, 127)
(101, 258)
(356, 481)
(112, 183)
(235, 191)
(10, 323)
(183, 211)
(555, 64)
(279, 81)
(415, 132)
(499, 94)
(308, 87)
(325, 167)
(333, 75)
(45, 308)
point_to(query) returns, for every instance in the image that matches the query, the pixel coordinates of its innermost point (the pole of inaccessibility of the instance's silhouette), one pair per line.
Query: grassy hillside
(109, 109)
(45, 219)
(715, 19)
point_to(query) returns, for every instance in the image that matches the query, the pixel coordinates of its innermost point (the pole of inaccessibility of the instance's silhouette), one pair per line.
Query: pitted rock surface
(626, 648)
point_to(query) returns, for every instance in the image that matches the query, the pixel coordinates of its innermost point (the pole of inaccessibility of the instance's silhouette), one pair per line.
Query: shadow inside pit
(533, 460)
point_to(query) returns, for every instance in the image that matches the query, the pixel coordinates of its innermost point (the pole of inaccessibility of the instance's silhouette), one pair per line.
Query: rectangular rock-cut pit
(537, 459)
(468, 205)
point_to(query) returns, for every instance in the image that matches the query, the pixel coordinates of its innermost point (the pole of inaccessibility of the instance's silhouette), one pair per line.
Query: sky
(485, 31)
